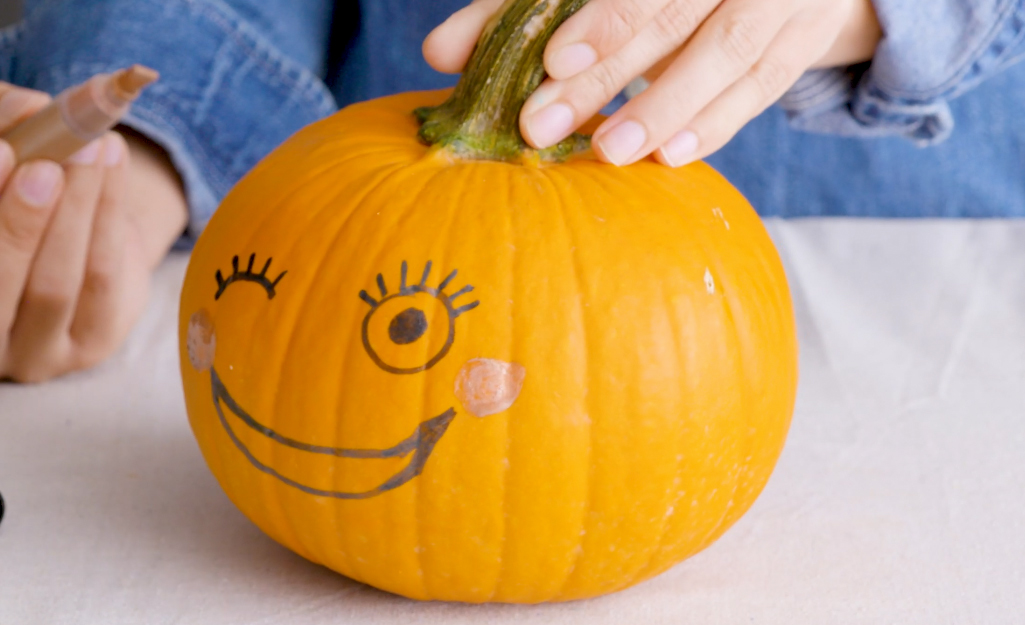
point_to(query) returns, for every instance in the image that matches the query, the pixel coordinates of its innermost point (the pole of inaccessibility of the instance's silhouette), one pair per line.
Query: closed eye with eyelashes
(248, 275)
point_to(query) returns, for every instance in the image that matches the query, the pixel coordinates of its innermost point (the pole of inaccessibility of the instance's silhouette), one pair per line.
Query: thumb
(18, 103)
(448, 47)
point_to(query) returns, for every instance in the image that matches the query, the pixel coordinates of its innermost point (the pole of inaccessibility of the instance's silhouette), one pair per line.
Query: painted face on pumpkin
(391, 333)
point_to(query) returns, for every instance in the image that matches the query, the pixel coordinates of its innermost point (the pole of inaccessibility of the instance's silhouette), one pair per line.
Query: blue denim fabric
(383, 57)
(931, 53)
(979, 171)
(239, 76)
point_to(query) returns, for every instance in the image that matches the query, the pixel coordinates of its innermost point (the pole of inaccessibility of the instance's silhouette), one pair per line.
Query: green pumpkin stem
(481, 118)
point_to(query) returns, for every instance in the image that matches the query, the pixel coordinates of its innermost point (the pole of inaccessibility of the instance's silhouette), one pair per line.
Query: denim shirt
(932, 126)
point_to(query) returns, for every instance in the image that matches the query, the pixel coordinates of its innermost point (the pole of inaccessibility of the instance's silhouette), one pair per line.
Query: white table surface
(900, 496)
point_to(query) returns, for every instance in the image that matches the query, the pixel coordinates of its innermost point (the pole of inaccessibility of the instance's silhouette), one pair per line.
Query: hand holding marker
(76, 117)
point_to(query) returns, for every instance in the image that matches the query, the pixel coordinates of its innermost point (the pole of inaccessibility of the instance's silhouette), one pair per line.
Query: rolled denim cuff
(226, 96)
(923, 62)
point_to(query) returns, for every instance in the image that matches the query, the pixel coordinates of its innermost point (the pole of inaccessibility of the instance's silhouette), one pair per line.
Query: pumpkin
(421, 354)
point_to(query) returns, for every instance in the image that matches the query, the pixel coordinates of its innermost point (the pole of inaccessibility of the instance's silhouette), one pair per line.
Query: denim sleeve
(237, 76)
(931, 52)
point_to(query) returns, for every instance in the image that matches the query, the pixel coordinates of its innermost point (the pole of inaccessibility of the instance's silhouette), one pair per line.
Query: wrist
(157, 207)
(857, 40)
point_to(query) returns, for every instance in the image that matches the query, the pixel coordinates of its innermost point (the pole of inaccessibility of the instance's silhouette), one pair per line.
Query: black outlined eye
(410, 330)
(248, 275)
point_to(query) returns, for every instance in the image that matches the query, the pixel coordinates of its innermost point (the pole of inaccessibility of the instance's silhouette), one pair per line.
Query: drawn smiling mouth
(421, 443)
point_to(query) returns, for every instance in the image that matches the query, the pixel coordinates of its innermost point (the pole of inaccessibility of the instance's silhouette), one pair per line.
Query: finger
(448, 47)
(39, 338)
(98, 324)
(7, 162)
(725, 48)
(783, 63)
(602, 27)
(557, 107)
(26, 206)
(18, 104)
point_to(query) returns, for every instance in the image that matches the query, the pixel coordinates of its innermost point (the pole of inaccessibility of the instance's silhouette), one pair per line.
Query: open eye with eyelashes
(410, 330)
(248, 275)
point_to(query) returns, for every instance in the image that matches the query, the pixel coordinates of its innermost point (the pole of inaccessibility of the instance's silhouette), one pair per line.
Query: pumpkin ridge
(275, 494)
(582, 204)
(284, 524)
(352, 346)
(678, 479)
(643, 572)
(578, 282)
(415, 171)
(724, 279)
(288, 355)
(507, 467)
(446, 265)
(745, 400)
(744, 349)
(353, 144)
(508, 425)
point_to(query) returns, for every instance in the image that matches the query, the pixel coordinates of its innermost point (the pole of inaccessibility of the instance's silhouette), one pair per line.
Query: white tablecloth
(900, 496)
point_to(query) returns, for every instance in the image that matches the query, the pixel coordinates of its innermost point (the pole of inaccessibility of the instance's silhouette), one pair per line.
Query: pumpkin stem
(480, 120)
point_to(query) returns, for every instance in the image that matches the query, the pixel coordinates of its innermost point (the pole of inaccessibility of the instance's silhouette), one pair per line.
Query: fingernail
(622, 142)
(113, 151)
(37, 183)
(572, 60)
(680, 149)
(87, 155)
(550, 125)
(6, 161)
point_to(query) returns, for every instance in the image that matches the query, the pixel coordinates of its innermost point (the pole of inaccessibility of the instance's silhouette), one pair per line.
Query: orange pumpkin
(465, 379)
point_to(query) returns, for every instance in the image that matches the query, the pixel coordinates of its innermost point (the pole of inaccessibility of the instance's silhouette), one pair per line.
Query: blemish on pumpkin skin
(486, 386)
(718, 213)
(201, 340)
(709, 282)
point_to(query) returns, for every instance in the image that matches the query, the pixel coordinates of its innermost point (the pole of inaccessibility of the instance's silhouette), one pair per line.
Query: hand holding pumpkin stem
(713, 65)
(480, 119)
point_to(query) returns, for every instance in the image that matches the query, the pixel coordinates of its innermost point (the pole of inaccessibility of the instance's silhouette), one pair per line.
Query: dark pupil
(407, 326)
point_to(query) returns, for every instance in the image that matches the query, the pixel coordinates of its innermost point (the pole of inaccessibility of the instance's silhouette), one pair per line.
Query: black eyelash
(248, 275)
(409, 289)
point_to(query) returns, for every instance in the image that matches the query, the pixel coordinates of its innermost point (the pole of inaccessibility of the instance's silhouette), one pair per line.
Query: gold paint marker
(78, 115)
